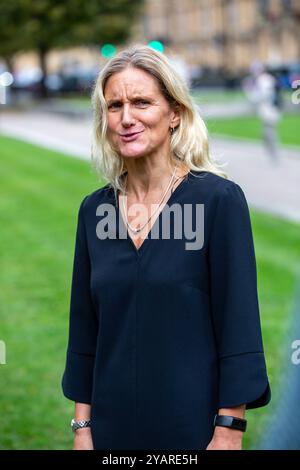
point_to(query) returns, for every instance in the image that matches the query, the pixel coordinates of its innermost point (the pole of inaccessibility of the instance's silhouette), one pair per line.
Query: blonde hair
(189, 141)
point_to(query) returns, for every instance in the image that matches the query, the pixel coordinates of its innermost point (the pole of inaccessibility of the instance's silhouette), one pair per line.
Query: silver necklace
(136, 230)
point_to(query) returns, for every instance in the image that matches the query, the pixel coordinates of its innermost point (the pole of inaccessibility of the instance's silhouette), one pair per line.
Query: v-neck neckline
(139, 251)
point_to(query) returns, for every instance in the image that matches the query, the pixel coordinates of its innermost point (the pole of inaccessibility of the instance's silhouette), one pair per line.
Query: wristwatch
(230, 422)
(82, 423)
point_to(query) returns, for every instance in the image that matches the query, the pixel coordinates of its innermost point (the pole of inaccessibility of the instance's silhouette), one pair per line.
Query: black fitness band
(230, 422)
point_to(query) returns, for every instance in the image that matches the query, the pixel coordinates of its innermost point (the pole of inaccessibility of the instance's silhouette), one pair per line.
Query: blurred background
(241, 61)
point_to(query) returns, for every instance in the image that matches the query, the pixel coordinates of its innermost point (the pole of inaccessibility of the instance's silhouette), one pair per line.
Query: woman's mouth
(130, 136)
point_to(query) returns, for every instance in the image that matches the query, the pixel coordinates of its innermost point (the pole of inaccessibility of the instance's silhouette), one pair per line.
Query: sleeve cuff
(244, 380)
(77, 380)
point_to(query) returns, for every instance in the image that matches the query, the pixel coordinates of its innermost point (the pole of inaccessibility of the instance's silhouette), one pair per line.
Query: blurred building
(213, 42)
(226, 35)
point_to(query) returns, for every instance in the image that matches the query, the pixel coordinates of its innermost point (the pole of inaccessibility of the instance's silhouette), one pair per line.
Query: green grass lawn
(78, 101)
(250, 128)
(206, 96)
(220, 95)
(40, 194)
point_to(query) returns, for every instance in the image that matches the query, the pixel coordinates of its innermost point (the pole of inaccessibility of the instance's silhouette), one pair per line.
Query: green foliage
(47, 24)
(249, 127)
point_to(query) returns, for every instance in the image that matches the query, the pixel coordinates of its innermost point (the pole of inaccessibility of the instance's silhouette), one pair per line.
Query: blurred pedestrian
(262, 90)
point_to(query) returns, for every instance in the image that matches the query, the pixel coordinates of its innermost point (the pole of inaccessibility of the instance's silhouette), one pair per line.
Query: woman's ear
(176, 115)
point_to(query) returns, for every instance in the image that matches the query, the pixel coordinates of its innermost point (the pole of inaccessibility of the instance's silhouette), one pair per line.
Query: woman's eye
(114, 105)
(143, 102)
(137, 102)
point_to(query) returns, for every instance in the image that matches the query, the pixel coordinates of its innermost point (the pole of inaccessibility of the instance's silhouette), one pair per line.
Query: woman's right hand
(83, 439)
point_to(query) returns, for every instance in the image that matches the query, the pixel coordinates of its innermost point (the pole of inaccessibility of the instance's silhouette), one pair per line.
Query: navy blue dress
(161, 337)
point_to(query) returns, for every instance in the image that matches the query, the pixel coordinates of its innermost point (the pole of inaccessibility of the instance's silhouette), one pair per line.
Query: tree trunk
(43, 92)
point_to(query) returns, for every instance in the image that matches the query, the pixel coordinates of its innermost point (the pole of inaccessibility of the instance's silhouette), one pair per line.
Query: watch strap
(82, 423)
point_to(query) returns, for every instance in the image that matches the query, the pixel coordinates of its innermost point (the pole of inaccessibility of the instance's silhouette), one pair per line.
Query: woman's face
(139, 116)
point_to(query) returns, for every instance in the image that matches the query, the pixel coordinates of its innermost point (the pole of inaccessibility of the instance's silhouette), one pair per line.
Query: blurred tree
(9, 31)
(47, 24)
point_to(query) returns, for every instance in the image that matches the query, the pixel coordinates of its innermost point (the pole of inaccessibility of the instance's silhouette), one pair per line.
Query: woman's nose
(127, 115)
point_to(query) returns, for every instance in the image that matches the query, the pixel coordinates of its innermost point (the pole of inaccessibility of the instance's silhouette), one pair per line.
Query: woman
(163, 337)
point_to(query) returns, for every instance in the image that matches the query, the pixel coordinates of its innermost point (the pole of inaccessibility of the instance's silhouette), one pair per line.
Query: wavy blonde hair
(189, 142)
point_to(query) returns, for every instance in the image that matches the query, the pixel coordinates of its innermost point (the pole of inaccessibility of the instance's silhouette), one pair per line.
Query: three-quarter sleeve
(77, 380)
(234, 303)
